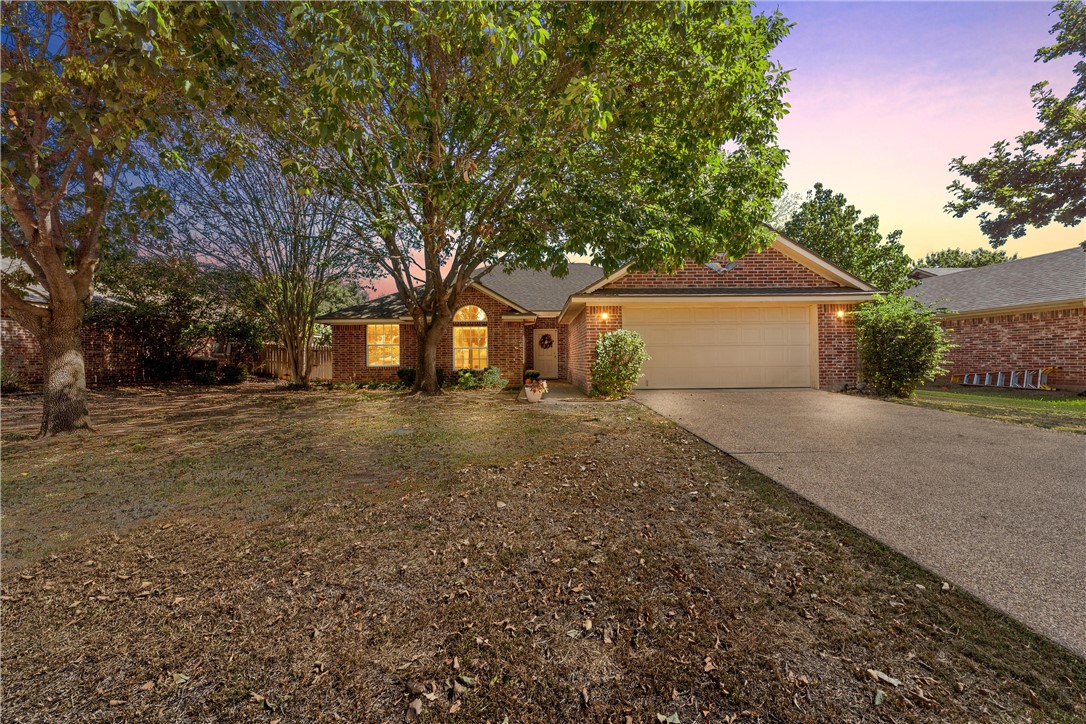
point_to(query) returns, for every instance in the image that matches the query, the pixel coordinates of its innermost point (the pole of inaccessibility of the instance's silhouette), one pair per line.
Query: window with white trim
(470, 340)
(382, 345)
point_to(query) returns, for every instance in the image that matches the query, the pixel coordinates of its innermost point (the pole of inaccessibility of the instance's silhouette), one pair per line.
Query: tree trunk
(299, 362)
(426, 370)
(64, 383)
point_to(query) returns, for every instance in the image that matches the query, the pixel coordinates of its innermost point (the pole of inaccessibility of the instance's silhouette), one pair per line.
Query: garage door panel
(724, 346)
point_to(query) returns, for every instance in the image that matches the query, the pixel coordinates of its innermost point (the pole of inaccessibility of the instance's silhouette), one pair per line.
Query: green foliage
(173, 308)
(531, 375)
(489, 378)
(960, 259)
(11, 382)
(901, 344)
(1043, 179)
(831, 227)
(619, 357)
(232, 374)
(204, 377)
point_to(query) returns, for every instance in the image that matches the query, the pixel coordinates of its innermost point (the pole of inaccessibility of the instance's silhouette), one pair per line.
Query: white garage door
(723, 346)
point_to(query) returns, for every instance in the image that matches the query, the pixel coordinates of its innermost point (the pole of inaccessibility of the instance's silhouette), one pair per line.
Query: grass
(253, 554)
(1049, 409)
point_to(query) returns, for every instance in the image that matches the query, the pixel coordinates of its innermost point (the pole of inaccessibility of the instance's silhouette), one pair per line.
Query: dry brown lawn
(254, 554)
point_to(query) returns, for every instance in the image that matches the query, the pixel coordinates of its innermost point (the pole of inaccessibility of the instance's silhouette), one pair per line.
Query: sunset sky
(884, 94)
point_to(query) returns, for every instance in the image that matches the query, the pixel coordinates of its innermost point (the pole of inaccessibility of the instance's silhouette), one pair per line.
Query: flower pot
(533, 395)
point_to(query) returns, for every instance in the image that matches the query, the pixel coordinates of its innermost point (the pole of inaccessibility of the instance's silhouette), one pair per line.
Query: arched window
(469, 313)
(469, 338)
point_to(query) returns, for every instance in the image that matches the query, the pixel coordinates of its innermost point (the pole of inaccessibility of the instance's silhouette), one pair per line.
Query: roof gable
(783, 266)
(538, 291)
(1036, 280)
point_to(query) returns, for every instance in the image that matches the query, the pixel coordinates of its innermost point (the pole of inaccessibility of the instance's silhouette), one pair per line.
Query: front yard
(253, 554)
(1052, 409)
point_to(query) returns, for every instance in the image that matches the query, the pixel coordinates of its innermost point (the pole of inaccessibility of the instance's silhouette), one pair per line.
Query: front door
(546, 353)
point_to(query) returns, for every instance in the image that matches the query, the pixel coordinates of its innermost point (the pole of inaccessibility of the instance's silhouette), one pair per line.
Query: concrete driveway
(996, 508)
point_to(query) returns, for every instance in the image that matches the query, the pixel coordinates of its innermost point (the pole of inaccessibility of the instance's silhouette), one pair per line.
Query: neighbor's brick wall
(563, 345)
(109, 356)
(769, 268)
(583, 332)
(505, 345)
(838, 354)
(1030, 340)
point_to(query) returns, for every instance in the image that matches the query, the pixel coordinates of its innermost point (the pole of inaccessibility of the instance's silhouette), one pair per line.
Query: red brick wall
(563, 344)
(1022, 341)
(505, 345)
(583, 332)
(109, 356)
(838, 355)
(769, 268)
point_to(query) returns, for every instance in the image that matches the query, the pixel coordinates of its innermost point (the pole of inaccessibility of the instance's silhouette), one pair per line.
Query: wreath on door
(546, 341)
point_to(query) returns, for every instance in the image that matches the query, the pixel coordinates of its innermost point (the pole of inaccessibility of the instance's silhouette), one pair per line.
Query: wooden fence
(273, 361)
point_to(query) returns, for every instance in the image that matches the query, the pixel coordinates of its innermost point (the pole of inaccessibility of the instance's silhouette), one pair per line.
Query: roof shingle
(1048, 278)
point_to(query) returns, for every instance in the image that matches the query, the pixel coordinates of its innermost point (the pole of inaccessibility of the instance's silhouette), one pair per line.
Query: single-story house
(777, 318)
(1017, 315)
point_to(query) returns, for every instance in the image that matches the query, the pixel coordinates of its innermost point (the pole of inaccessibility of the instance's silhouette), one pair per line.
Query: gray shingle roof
(386, 307)
(729, 291)
(539, 291)
(1048, 278)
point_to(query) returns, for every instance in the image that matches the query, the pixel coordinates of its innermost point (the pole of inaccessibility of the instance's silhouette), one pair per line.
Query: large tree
(81, 82)
(827, 224)
(1043, 179)
(475, 132)
(293, 245)
(960, 259)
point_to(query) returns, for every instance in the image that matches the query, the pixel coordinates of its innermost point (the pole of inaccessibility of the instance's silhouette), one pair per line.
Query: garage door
(723, 346)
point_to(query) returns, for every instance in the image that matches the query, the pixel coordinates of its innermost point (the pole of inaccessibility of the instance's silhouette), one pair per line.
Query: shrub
(468, 381)
(11, 382)
(531, 375)
(492, 378)
(204, 377)
(619, 357)
(233, 374)
(901, 344)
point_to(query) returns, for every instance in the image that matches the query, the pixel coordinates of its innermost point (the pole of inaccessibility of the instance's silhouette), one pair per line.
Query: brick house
(778, 318)
(1022, 314)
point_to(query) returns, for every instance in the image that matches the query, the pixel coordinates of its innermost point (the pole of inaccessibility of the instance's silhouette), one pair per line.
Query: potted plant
(534, 387)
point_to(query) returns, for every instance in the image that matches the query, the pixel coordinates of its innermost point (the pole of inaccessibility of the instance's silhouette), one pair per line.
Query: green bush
(901, 344)
(468, 381)
(619, 357)
(11, 382)
(204, 377)
(492, 378)
(233, 374)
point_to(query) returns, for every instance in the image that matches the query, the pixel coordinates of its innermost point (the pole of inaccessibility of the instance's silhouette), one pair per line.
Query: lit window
(469, 313)
(469, 348)
(383, 345)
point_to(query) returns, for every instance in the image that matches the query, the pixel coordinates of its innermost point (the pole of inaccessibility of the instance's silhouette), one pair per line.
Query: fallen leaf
(147, 685)
(454, 707)
(501, 504)
(879, 676)
(116, 702)
(880, 696)
(414, 710)
(709, 665)
(179, 678)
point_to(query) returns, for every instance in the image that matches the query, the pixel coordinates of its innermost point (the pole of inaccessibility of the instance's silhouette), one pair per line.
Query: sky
(884, 94)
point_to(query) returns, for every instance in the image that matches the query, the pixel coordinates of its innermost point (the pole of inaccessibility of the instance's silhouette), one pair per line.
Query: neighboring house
(926, 272)
(1023, 314)
(778, 318)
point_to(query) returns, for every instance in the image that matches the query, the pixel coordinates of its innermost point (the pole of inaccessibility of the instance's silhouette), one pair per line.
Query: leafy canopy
(830, 226)
(961, 259)
(1043, 179)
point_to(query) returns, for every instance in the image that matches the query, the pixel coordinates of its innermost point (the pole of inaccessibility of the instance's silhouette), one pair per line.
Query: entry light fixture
(840, 314)
(604, 315)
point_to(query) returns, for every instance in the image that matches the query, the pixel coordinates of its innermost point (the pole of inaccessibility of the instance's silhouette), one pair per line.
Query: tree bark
(64, 383)
(429, 337)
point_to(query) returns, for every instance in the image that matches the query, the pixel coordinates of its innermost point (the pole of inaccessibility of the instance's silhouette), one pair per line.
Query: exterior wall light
(604, 316)
(840, 314)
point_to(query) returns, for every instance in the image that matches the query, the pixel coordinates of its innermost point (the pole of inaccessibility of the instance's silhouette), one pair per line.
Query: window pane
(383, 345)
(469, 313)
(469, 347)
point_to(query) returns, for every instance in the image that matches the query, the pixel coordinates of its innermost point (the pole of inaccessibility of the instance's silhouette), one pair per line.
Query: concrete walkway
(996, 508)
